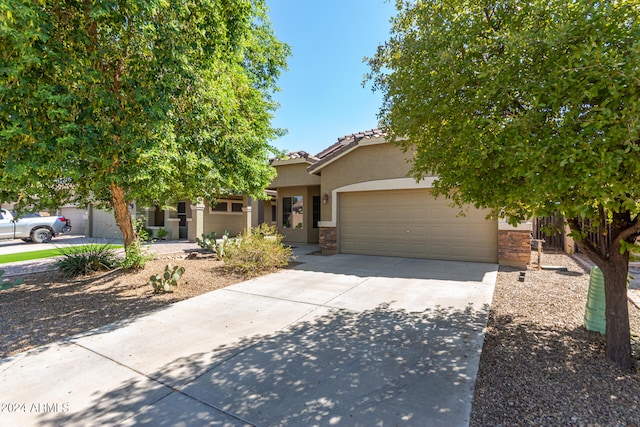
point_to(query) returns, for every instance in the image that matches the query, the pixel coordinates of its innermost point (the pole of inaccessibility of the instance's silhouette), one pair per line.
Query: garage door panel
(461, 232)
(76, 217)
(412, 223)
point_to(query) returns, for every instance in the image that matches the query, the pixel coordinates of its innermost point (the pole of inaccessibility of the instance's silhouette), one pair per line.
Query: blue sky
(322, 96)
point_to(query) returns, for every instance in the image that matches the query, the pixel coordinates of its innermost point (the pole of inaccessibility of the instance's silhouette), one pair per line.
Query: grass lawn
(48, 253)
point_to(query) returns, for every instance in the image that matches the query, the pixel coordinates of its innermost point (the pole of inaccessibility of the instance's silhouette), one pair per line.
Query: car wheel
(41, 235)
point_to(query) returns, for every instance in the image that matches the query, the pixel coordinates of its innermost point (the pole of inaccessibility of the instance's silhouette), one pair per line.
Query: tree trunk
(122, 215)
(615, 272)
(608, 254)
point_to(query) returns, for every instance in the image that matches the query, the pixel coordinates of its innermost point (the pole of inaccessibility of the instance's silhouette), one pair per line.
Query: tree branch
(586, 245)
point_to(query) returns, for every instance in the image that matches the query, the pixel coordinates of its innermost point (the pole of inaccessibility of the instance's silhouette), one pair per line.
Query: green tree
(114, 101)
(526, 108)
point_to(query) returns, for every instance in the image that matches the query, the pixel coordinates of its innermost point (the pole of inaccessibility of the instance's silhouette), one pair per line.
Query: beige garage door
(76, 216)
(412, 223)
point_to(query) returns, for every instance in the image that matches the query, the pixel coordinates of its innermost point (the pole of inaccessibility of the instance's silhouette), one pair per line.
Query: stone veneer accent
(514, 247)
(328, 240)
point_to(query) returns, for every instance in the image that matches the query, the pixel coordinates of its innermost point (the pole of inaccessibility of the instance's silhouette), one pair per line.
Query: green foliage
(222, 245)
(5, 284)
(144, 234)
(257, 251)
(208, 241)
(163, 99)
(526, 108)
(87, 259)
(162, 233)
(163, 282)
(135, 256)
(217, 246)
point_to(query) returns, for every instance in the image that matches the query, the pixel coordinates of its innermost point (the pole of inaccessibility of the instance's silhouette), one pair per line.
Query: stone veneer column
(514, 244)
(328, 240)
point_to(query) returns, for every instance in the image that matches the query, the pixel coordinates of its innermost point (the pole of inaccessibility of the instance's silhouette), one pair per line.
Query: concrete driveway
(345, 340)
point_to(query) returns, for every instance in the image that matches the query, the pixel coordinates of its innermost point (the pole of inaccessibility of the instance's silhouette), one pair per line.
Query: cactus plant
(208, 241)
(217, 246)
(163, 282)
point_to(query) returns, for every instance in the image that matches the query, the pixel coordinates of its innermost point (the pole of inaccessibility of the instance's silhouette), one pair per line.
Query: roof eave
(315, 168)
(282, 162)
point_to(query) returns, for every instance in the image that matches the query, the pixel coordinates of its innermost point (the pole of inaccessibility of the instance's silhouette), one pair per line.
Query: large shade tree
(527, 108)
(114, 101)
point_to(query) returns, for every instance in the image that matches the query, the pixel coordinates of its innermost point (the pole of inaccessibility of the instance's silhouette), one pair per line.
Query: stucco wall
(269, 219)
(233, 223)
(365, 163)
(293, 175)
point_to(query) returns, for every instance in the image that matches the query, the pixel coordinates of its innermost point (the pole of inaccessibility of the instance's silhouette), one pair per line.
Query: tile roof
(352, 139)
(299, 155)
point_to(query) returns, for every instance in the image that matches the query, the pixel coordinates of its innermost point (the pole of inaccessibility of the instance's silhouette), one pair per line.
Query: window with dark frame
(219, 207)
(292, 212)
(227, 206)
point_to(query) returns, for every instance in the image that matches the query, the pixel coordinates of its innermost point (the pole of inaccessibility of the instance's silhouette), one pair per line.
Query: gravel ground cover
(539, 365)
(49, 307)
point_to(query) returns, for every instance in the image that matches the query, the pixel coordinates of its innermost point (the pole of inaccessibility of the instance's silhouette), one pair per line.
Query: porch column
(196, 222)
(514, 243)
(246, 217)
(87, 220)
(173, 225)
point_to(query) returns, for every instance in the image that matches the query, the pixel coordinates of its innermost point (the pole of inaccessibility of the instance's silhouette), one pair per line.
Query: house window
(220, 207)
(226, 206)
(316, 211)
(274, 212)
(292, 212)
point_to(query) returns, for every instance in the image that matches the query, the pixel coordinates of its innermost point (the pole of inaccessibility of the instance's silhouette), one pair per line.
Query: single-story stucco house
(231, 214)
(356, 197)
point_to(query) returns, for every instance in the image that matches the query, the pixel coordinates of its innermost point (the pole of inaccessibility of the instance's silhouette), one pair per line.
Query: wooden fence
(551, 230)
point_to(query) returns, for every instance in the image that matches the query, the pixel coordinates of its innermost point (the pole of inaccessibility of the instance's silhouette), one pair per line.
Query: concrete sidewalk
(343, 340)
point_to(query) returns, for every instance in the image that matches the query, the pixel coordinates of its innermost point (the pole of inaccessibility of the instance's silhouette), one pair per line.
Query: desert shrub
(162, 233)
(257, 251)
(135, 256)
(87, 259)
(144, 234)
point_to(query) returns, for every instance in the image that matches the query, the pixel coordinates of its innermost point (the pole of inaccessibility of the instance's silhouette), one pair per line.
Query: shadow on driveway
(377, 367)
